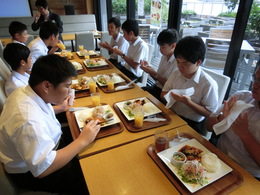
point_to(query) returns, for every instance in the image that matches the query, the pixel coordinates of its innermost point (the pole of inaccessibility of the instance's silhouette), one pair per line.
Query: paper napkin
(72, 94)
(238, 107)
(170, 100)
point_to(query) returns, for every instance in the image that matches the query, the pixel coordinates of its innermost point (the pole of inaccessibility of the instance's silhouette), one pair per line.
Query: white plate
(100, 62)
(155, 109)
(82, 115)
(166, 155)
(88, 53)
(115, 76)
(77, 65)
(76, 81)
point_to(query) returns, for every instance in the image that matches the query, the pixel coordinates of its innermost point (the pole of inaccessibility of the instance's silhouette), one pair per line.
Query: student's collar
(196, 76)
(136, 41)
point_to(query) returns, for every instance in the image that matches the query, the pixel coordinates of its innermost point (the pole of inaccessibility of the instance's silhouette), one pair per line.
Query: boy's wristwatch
(156, 77)
(122, 56)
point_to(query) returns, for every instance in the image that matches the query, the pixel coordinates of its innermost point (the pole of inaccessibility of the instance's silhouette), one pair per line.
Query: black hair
(168, 36)
(52, 68)
(41, 3)
(14, 53)
(191, 48)
(48, 29)
(115, 21)
(16, 27)
(131, 25)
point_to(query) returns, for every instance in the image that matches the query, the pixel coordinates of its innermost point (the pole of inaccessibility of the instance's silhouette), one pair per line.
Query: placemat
(146, 125)
(224, 185)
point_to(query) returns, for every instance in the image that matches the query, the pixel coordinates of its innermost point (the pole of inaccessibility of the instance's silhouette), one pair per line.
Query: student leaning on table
(167, 40)
(18, 31)
(189, 54)
(241, 141)
(48, 38)
(117, 40)
(138, 50)
(31, 140)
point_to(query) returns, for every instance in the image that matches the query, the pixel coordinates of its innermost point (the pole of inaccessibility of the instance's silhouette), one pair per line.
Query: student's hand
(89, 132)
(117, 51)
(227, 107)
(148, 69)
(37, 16)
(240, 125)
(62, 107)
(105, 45)
(181, 98)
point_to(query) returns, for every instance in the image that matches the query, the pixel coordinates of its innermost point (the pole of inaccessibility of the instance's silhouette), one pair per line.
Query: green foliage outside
(119, 6)
(188, 13)
(253, 27)
(231, 4)
(228, 14)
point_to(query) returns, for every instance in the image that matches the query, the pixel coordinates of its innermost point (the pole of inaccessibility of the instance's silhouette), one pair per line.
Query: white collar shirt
(206, 93)
(231, 144)
(37, 48)
(165, 68)
(15, 81)
(29, 132)
(137, 51)
(122, 45)
(15, 41)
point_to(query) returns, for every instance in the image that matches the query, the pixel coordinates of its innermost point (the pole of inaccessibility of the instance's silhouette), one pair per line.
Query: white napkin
(170, 100)
(122, 87)
(238, 107)
(72, 94)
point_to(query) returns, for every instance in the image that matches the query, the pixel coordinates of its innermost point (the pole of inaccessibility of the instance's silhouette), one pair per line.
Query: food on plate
(77, 65)
(178, 158)
(148, 107)
(87, 52)
(103, 79)
(193, 172)
(96, 62)
(99, 113)
(81, 84)
(191, 152)
(211, 162)
(130, 106)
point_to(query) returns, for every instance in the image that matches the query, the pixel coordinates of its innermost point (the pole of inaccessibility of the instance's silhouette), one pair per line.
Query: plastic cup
(81, 47)
(92, 86)
(95, 97)
(61, 46)
(161, 140)
(69, 54)
(139, 117)
(111, 85)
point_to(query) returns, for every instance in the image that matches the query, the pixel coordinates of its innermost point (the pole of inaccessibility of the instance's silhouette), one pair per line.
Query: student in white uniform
(117, 41)
(18, 31)
(241, 141)
(167, 40)
(138, 50)
(31, 141)
(189, 54)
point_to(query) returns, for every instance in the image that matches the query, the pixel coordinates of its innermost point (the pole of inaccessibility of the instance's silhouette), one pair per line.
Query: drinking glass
(161, 140)
(95, 97)
(139, 117)
(92, 86)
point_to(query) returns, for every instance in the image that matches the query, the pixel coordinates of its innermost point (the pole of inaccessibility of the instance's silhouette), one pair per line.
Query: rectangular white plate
(166, 155)
(82, 115)
(76, 81)
(155, 109)
(118, 79)
(77, 65)
(100, 64)
(91, 54)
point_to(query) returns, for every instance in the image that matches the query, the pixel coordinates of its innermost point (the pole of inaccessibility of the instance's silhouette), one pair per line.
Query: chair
(223, 82)
(5, 72)
(216, 53)
(144, 32)
(105, 37)
(86, 39)
(145, 75)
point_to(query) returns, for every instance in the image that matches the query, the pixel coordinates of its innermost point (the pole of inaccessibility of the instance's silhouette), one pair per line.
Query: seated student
(31, 141)
(18, 57)
(167, 40)
(44, 15)
(138, 50)
(49, 34)
(18, 31)
(241, 141)
(189, 54)
(117, 40)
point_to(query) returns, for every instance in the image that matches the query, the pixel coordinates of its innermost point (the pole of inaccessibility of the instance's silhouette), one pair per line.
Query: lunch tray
(224, 185)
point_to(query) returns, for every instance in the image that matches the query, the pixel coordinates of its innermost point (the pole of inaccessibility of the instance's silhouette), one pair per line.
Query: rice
(211, 162)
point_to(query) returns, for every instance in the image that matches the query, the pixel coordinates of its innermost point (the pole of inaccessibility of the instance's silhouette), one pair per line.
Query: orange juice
(139, 119)
(95, 99)
(69, 55)
(81, 47)
(111, 85)
(61, 46)
(92, 86)
(86, 56)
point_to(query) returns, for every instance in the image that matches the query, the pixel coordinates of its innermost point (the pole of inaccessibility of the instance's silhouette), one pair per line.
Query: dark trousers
(197, 126)
(69, 179)
(116, 64)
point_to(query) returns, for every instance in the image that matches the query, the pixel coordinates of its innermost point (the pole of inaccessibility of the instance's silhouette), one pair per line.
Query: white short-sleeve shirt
(122, 45)
(16, 80)
(206, 93)
(37, 48)
(29, 132)
(137, 51)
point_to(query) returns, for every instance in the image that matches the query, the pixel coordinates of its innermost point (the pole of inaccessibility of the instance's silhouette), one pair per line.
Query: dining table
(125, 162)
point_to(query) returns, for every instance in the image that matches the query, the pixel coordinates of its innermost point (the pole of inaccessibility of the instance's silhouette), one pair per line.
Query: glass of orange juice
(81, 47)
(69, 54)
(92, 86)
(95, 97)
(61, 45)
(111, 84)
(139, 117)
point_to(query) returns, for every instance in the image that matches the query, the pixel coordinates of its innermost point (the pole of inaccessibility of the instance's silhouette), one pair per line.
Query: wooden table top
(128, 169)
(111, 98)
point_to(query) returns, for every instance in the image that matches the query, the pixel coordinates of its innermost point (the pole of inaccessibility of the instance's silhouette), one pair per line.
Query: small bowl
(109, 117)
(178, 158)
